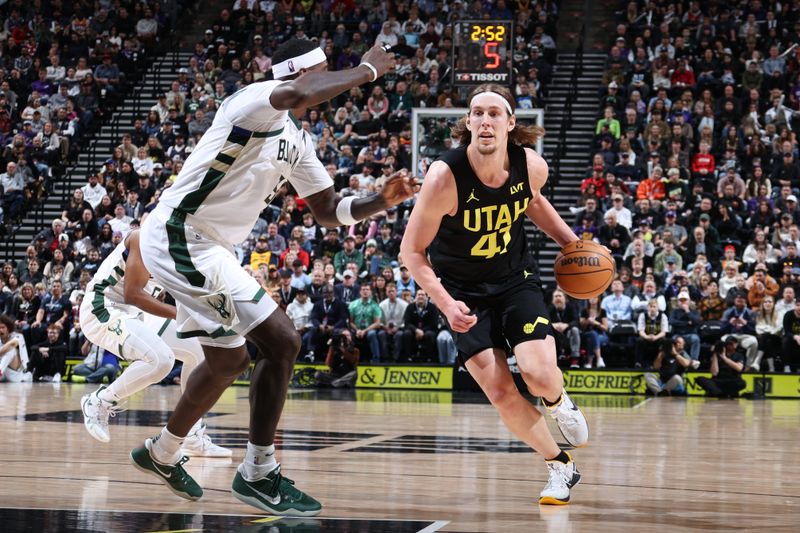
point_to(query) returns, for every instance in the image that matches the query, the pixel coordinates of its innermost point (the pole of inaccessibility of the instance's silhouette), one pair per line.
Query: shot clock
(481, 51)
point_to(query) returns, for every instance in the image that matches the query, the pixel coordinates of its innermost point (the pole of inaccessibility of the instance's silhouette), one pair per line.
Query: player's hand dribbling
(398, 188)
(459, 317)
(379, 58)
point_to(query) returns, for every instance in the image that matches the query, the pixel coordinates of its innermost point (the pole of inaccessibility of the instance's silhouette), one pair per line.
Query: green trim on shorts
(179, 249)
(164, 327)
(260, 294)
(99, 301)
(176, 230)
(219, 332)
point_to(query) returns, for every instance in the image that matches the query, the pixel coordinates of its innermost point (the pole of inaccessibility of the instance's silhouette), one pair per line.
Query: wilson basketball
(584, 269)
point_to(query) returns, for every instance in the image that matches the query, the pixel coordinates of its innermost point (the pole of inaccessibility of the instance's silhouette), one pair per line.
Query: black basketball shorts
(508, 314)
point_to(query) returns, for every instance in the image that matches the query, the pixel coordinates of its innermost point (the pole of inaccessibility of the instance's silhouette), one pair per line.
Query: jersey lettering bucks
(288, 152)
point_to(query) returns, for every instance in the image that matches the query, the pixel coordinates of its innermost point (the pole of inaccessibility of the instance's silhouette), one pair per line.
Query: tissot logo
(483, 76)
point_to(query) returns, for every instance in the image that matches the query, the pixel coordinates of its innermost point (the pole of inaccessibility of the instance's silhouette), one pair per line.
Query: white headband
(293, 65)
(500, 96)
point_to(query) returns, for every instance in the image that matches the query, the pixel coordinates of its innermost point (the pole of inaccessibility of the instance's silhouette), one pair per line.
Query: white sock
(258, 461)
(196, 427)
(166, 447)
(108, 396)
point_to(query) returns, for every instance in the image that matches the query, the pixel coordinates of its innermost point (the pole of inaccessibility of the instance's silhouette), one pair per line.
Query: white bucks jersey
(106, 290)
(237, 168)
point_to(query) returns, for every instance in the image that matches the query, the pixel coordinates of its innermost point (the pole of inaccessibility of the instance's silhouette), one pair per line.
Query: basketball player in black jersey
(465, 245)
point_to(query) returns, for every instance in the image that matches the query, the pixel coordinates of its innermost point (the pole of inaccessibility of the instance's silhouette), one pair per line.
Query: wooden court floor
(401, 461)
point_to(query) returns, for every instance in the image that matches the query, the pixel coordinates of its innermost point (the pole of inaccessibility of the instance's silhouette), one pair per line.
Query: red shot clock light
(482, 51)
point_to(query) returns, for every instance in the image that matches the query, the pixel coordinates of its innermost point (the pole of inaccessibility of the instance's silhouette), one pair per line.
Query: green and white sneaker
(274, 494)
(174, 476)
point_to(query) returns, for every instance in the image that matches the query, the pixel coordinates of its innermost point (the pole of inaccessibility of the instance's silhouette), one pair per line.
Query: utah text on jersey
(493, 221)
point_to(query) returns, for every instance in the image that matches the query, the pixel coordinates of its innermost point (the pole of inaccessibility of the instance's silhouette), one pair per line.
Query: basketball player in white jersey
(254, 146)
(122, 314)
(465, 244)
(13, 353)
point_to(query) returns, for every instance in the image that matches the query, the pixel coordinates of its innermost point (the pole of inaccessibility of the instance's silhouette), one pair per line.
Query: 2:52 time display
(489, 33)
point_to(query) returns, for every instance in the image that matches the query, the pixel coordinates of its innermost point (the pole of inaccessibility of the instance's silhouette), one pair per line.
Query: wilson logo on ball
(580, 261)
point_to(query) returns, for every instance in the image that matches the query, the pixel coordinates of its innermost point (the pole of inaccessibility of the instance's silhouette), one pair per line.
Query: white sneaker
(198, 444)
(587, 365)
(570, 421)
(601, 363)
(57, 378)
(695, 364)
(562, 478)
(787, 369)
(96, 413)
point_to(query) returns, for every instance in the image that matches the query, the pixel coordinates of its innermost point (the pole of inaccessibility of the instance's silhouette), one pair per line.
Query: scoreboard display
(482, 52)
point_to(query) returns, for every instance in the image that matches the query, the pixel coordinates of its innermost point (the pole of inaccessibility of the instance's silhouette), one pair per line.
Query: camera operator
(727, 365)
(670, 364)
(342, 360)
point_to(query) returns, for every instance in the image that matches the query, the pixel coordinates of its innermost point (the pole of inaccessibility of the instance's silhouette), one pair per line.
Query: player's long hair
(521, 135)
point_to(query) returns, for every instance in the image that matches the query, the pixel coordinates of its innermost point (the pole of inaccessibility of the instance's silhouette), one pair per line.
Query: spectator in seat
(47, 358)
(107, 75)
(348, 254)
(421, 322)
(667, 255)
(791, 339)
(739, 322)
(366, 321)
(649, 292)
(727, 365)
(623, 214)
(393, 309)
(405, 281)
(564, 321)
(608, 125)
(348, 291)
(328, 316)
(786, 303)
(703, 165)
(12, 187)
(299, 312)
(685, 322)
(285, 292)
(275, 241)
(54, 309)
(97, 365)
(769, 328)
(653, 326)
(760, 285)
(616, 305)
(614, 236)
(711, 306)
(594, 332)
(669, 365)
